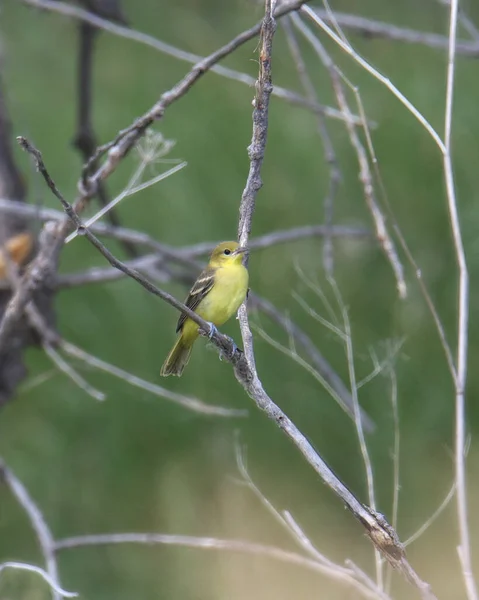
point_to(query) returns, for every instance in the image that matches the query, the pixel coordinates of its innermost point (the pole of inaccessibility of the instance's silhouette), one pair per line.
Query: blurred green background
(140, 463)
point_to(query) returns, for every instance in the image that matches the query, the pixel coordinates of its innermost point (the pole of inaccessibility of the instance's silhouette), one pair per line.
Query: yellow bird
(216, 296)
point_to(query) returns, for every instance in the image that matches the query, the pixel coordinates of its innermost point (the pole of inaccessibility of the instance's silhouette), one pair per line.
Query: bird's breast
(226, 295)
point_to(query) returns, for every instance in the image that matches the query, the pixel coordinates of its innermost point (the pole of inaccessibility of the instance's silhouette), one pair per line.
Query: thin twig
(319, 364)
(39, 525)
(64, 367)
(186, 401)
(396, 463)
(348, 342)
(209, 543)
(440, 509)
(56, 589)
(130, 189)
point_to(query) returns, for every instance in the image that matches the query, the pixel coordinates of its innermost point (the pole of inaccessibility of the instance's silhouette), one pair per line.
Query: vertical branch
(464, 549)
(256, 152)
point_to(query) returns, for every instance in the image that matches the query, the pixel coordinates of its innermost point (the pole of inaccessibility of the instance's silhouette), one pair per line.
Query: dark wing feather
(200, 289)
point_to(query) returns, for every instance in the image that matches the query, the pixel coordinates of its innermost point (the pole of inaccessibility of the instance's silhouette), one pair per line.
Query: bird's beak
(240, 250)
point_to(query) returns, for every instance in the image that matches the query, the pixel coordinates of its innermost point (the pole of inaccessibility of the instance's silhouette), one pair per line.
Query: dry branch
(38, 523)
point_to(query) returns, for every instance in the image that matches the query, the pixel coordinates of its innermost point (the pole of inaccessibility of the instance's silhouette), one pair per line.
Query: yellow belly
(226, 296)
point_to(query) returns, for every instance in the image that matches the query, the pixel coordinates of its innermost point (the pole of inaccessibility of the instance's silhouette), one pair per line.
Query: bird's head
(227, 253)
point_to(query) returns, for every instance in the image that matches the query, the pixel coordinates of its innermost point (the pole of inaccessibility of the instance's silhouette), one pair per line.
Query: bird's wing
(200, 289)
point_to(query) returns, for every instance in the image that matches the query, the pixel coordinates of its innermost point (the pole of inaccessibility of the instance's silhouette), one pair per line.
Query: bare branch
(188, 402)
(209, 543)
(64, 367)
(43, 574)
(39, 525)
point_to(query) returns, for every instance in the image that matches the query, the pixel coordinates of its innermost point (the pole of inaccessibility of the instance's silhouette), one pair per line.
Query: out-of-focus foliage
(138, 463)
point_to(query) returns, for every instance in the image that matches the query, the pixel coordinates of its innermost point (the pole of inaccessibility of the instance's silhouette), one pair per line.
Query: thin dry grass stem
(384, 80)
(430, 304)
(75, 12)
(315, 287)
(396, 465)
(382, 366)
(396, 448)
(437, 513)
(185, 401)
(464, 549)
(148, 157)
(56, 589)
(130, 189)
(328, 147)
(317, 317)
(365, 174)
(318, 363)
(357, 419)
(39, 525)
(291, 353)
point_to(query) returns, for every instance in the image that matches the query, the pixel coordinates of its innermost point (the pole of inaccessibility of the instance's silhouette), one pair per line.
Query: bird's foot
(234, 350)
(212, 331)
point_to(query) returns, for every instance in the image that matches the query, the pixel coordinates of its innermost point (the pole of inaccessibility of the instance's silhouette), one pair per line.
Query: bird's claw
(234, 350)
(213, 330)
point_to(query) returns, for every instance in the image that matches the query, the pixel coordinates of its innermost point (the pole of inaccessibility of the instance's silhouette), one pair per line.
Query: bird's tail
(178, 358)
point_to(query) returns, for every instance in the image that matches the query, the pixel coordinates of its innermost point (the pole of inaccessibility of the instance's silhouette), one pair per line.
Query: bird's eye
(227, 251)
